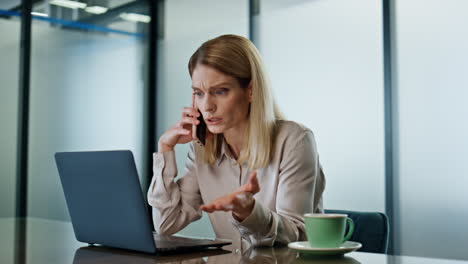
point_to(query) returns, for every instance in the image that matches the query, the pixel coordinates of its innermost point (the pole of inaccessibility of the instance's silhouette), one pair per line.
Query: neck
(235, 138)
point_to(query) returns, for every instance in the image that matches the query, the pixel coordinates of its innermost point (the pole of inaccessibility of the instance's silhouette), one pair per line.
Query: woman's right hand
(181, 132)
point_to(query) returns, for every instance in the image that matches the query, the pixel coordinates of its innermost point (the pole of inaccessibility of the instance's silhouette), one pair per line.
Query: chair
(371, 229)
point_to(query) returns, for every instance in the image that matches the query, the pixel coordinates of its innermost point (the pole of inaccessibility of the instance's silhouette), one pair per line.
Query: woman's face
(223, 103)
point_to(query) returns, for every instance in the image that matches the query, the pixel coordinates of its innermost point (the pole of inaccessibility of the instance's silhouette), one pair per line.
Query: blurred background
(383, 85)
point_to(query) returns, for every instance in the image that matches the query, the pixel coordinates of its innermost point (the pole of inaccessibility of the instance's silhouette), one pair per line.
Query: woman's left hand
(240, 202)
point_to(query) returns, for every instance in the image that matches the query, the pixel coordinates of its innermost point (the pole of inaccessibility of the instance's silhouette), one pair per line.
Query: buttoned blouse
(291, 185)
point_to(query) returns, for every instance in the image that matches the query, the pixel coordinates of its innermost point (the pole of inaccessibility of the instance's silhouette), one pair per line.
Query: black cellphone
(200, 130)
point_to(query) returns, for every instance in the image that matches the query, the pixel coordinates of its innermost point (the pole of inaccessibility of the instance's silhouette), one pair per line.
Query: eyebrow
(212, 87)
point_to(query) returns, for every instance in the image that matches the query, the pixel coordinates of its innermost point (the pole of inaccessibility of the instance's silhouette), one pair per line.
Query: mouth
(213, 120)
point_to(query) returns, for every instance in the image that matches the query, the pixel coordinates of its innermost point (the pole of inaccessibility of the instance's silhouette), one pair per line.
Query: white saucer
(304, 248)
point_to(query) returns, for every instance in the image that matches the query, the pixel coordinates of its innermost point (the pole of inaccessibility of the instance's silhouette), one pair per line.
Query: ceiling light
(133, 17)
(39, 14)
(96, 10)
(68, 4)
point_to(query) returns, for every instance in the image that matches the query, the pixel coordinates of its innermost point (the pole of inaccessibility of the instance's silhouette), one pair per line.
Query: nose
(207, 104)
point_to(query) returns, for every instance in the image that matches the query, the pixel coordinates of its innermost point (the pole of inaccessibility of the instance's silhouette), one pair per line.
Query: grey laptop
(106, 203)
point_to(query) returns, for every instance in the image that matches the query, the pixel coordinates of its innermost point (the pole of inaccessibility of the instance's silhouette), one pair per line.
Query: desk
(53, 242)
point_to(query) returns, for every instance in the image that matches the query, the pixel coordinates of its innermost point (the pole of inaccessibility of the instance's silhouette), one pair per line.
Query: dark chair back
(370, 229)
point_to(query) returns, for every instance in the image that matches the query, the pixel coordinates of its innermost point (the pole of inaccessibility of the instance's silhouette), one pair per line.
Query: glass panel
(207, 19)
(87, 93)
(325, 63)
(10, 28)
(431, 203)
(11, 6)
(7, 240)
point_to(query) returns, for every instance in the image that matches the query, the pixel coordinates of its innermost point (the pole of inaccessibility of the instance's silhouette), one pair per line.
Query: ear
(250, 91)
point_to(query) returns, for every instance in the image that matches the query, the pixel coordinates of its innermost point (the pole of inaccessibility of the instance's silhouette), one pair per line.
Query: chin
(216, 130)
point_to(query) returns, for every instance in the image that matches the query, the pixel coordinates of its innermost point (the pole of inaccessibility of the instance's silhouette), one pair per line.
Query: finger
(207, 208)
(225, 207)
(253, 186)
(218, 207)
(251, 183)
(188, 120)
(182, 131)
(190, 111)
(253, 178)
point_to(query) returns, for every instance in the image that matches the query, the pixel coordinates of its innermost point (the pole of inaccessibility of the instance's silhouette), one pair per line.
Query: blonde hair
(237, 56)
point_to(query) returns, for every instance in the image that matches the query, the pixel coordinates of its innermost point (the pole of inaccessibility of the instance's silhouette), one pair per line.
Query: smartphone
(199, 131)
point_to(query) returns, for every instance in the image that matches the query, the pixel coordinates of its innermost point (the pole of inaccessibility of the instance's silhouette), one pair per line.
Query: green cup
(327, 230)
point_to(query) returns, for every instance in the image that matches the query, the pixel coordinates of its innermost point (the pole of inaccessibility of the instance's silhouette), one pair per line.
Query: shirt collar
(225, 151)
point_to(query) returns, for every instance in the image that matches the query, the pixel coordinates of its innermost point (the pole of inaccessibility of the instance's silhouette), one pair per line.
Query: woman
(256, 175)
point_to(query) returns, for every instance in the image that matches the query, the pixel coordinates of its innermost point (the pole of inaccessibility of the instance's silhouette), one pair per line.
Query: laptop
(107, 206)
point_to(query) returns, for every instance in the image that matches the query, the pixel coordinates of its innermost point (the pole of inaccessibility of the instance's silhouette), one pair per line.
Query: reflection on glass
(10, 28)
(7, 240)
(431, 118)
(333, 79)
(88, 71)
(120, 17)
(287, 255)
(336, 260)
(269, 255)
(9, 75)
(103, 255)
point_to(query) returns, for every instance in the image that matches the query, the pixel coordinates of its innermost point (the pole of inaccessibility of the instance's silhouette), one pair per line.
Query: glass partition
(10, 28)
(88, 70)
(430, 188)
(324, 59)
(187, 24)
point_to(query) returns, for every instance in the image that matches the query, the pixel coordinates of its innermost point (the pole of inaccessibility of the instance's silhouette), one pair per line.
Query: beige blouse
(290, 186)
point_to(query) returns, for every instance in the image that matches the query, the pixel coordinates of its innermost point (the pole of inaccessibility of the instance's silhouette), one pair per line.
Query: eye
(222, 91)
(197, 93)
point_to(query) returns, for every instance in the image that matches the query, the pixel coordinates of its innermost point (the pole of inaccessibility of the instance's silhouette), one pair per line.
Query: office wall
(9, 72)
(324, 59)
(432, 143)
(187, 25)
(86, 94)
